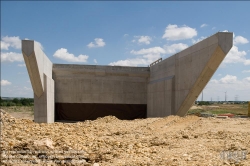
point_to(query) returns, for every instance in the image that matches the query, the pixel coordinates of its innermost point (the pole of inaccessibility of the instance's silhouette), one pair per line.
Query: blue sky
(124, 33)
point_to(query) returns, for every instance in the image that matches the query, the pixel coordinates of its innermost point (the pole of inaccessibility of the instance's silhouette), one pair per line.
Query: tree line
(17, 102)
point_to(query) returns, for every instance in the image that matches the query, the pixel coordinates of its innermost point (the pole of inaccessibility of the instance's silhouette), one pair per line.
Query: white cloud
(5, 82)
(144, 57)
(203, 25)
(4, 46)
(98, 43)
(194, 41)
(247, 62)
(11, 57)
(228, 79)
(13, 42)
(26, 88)
(173, 32)
(236, 56)
(125, 35)
(240, 40)
(175, 48)
(246, 71)
(17, 91)
(143, 39)
(152, 50)
(129, 62)
(21, 65)
(95, 61)
(63, 54)
(231, 85)
(247, 80)
(150, 54)
(213, 28)
(214, 81)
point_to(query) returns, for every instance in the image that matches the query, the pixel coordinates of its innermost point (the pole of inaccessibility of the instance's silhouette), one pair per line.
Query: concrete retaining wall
(167, 88)
(100, 84)
(176, 82)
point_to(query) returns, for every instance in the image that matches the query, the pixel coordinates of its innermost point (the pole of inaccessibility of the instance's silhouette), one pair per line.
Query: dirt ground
(21, 112)
(173, 140)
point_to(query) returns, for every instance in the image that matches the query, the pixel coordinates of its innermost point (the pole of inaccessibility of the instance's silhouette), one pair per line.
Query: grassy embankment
(237, 109)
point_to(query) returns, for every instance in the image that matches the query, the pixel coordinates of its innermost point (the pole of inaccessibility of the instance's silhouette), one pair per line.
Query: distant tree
(25, 101)
(203, 103)
(11, 104)
(31, 100)
(3, 103)
(16, 100)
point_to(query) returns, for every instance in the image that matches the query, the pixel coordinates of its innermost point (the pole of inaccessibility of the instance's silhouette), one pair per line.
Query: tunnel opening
(91, 111)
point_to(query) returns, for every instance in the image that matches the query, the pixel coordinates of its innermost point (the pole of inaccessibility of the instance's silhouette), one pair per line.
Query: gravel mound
(108, 141)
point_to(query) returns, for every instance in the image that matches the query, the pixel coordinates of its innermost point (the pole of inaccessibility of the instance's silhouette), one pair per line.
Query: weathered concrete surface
(100, 84)
(176, 82)
(44, 105)
(168, 87)
(40, 72)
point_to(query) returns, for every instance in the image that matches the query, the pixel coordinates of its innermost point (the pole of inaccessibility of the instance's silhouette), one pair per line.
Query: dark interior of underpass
(92, 111)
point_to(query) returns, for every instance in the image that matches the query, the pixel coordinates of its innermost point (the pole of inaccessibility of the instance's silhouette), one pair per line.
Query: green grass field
(237, 109)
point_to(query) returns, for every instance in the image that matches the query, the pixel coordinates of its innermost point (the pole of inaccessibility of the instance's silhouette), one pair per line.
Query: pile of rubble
(107, 141)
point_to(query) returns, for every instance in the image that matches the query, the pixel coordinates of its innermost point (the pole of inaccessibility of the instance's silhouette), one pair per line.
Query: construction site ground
(172, 140)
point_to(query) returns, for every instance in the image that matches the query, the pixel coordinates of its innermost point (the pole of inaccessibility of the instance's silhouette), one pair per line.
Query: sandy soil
(108, 141)
(20, 112)
(22, 115)
(195, 107)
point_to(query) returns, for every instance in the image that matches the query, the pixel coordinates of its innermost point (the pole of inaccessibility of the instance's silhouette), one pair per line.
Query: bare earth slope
(109, 141)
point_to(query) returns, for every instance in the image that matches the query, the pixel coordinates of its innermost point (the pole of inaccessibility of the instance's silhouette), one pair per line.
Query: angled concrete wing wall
(177, 81)
(40, 72)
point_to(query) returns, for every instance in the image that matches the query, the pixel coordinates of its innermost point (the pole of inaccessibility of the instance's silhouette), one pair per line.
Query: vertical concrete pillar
(40, 72)
(44, 105)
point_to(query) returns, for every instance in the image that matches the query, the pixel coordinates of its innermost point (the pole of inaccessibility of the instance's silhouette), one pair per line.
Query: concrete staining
(167, 88)
(100, 84)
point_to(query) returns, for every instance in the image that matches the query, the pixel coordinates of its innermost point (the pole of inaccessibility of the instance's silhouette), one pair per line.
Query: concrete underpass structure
(84, 92)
